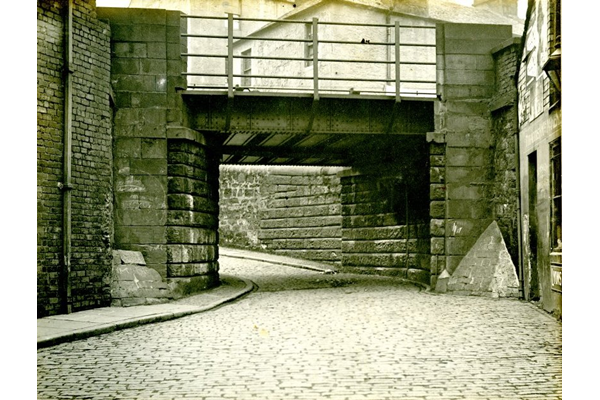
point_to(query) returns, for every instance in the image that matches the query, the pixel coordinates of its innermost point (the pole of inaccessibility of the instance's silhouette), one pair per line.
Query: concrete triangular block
(487, 269)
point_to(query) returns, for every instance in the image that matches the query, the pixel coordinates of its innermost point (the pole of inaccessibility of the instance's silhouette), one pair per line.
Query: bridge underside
(295, 129)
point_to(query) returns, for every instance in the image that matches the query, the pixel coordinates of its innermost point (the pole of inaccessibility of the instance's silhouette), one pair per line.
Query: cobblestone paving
(350, 338)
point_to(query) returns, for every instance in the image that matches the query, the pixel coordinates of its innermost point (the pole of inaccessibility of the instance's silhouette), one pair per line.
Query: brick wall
(294, 211)
(91, 160)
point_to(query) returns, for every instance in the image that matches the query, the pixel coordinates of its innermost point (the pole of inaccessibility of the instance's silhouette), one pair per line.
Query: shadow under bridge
(295, 129)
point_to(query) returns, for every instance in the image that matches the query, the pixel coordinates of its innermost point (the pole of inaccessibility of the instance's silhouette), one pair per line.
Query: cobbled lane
(335, 337)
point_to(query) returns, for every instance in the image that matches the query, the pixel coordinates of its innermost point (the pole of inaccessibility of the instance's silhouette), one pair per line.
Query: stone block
(468, 92)
(471, 139)
(438, 246)
(418, 275)
(437, 174)
(186, 253)
(437, 192)
(374, 246)
(125, 66)
(153, 66)
(472, 46)
(470, 77)
(192, 269)
(129, 50)
(392, 260)
(151, 166)
(154, 148)
(192, 218)
(191, 203)
(157, 50)
(173, 35)
(437, 227)
(468, 209)
(473, 124)
(189, 235)
(173, 51)
(154, 254)
(182, 286)
(465, 192)
(467, 174)
(128, 257)
(148, 235)
(475, 32)
(128, 147)
(437, 160)
(437, 209)
(149, 100)
(141, 217)
(467, 157)
(134, 83)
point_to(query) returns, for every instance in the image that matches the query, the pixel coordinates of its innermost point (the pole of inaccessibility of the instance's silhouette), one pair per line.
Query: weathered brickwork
(91, 160)
(384, 226)
(294, 211)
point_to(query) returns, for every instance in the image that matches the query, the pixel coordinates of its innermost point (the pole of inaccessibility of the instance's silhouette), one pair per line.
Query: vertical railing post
(315, 46)
(229, 55)
(397, 61)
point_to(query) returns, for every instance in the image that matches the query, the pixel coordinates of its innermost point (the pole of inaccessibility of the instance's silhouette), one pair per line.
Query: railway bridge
(413, 127)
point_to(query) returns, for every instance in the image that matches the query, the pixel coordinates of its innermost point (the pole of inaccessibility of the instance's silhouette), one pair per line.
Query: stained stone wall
(462, 144)
(294, 211)
(165, 193)
(384, 225)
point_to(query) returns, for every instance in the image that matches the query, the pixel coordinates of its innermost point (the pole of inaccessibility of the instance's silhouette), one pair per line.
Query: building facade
(540, 154)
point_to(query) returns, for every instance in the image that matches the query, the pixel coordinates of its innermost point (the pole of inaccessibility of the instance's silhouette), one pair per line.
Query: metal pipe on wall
(66, 185)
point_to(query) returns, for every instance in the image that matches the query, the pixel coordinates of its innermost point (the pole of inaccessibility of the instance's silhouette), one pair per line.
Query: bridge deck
(294, 128)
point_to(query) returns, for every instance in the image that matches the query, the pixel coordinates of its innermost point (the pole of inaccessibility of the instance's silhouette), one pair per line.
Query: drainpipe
(66, 185)
(519, 215)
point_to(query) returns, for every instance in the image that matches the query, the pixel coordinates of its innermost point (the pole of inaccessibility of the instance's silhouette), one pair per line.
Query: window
(553, 67)
(308, 46)
(556, 193)
(247, 67)
(555, 25)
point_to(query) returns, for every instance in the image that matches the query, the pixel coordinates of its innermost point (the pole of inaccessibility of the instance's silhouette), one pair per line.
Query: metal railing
(313, 59)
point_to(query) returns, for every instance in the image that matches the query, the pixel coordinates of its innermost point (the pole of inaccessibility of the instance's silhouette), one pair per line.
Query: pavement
(79, 325)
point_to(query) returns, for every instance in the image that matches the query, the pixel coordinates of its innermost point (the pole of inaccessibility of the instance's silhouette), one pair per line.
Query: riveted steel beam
(302, 115)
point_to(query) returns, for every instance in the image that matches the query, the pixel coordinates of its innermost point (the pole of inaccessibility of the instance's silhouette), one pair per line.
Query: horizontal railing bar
(285, 21)
(305, 77)
(376, 43)
(375, 25)
(223, 37)
(306, 59)
(305, 89)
